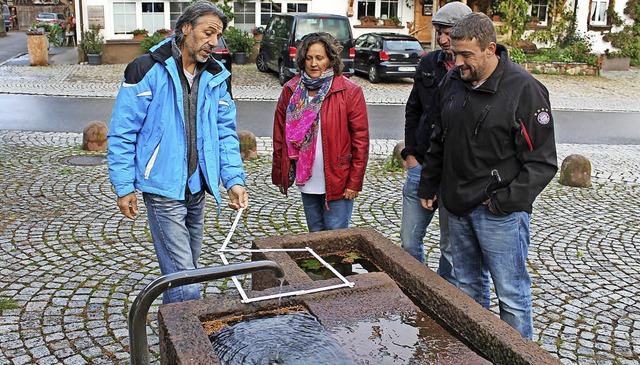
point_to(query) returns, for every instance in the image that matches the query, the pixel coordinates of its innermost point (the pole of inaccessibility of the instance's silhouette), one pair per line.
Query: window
(538, 9)
(152, 16)
(598, 12)
(366, 8)
(176, 8)
(267, 9)
(245, 15)
(124, 17)
(379, 8)
(388, 8)
(296, 8)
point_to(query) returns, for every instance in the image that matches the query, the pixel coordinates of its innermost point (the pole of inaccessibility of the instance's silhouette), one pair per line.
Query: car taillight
(384, 56)
(292, 52)
(221, 51)
(352, 53)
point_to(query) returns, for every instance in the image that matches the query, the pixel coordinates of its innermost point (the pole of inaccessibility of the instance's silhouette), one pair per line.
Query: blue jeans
(177, 228)
(416, 219)
(325, 216)
(484, 243)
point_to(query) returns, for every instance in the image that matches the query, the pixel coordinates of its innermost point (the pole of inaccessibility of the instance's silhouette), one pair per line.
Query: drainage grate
(84, 160)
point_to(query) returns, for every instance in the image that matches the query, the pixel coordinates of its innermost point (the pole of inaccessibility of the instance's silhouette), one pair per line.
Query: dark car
(221, 53)
(383, 55)
(283, 34)
(6, 14)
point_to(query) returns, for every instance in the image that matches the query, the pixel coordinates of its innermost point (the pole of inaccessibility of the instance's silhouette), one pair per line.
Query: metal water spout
(138, 345)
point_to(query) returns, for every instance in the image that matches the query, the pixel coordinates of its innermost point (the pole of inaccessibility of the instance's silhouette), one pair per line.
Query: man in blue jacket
(493, 151)
(173, 137)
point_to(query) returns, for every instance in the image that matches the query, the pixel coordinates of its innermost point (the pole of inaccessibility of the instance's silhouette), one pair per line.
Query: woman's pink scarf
(301, 128)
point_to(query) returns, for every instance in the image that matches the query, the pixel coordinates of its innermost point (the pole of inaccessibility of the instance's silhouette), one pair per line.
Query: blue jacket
(147, 138)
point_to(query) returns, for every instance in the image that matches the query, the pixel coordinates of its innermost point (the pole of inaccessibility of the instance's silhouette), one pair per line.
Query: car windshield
(46, 16)
(403, 46)
(338, 28)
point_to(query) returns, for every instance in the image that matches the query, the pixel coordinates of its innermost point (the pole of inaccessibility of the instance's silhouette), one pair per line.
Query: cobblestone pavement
(73, 265)
(573, 93)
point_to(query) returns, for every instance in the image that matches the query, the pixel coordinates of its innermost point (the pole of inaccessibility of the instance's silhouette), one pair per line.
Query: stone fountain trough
(402, 287)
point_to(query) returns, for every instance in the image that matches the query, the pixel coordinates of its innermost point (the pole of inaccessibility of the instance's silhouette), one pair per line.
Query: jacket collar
(163, 53)
(492, 83)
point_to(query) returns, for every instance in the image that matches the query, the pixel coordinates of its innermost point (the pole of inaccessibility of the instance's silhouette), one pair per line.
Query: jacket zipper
(483, 116)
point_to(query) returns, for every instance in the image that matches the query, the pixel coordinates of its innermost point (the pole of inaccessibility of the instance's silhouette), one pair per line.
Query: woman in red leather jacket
(321, 135)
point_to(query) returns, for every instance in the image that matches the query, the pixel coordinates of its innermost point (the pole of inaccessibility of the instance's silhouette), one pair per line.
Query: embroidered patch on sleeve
(542, 116)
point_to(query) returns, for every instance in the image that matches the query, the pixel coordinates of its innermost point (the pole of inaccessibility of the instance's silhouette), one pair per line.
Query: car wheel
(261, 63)
(373, 75)
(281, 76)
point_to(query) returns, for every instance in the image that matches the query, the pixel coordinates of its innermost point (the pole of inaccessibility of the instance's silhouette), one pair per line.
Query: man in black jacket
(492, 153)
(419, 119)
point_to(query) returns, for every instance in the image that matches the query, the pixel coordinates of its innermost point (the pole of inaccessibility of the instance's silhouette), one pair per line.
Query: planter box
(616, 64)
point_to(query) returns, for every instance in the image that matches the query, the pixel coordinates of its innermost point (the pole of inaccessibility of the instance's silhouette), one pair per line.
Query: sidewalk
(613, 91)
(74, 265)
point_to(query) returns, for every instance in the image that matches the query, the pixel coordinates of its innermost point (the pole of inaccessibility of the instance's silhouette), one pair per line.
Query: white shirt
(316, 184)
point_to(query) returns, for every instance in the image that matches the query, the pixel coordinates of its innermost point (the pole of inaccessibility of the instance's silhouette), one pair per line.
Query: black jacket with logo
(422, 105)
(496, 141)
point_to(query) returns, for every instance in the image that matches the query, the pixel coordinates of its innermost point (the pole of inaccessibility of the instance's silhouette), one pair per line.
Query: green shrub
(92, 41)
(239, 40)
(150, 42)
(517, 55)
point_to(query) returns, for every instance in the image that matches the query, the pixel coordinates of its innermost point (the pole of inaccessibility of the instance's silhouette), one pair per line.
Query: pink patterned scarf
(301, 128)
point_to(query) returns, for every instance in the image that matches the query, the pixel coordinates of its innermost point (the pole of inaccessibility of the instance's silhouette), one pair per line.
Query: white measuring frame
(245, 299)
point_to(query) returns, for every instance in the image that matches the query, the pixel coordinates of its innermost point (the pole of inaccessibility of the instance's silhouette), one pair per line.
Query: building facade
(118, 18)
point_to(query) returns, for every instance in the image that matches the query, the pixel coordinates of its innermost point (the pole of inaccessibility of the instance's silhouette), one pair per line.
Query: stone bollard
(248, 145)
(576, 171)
(94, 136)
(396, 158)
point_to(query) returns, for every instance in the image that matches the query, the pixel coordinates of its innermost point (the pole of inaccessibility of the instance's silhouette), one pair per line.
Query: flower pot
(239, 58)
(616, 64)
(388, 23)
(139, 37)
(94, 59)
(367, 23)
(495, 18)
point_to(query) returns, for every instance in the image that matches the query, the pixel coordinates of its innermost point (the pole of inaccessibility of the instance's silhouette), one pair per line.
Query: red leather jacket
(345, 137)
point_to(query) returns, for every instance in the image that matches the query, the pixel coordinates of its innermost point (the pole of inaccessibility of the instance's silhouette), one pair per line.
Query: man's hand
(350, 194)
(411, 161)
(128, 205)
(239, 197)
(428, 203)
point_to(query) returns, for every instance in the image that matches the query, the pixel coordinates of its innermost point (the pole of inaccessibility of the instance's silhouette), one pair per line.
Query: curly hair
(331, 47)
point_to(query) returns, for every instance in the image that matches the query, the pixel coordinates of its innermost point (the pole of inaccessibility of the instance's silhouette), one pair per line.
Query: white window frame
(378, 7)
(258, 10)
(596, 8)
(544, 21)
(113, 16)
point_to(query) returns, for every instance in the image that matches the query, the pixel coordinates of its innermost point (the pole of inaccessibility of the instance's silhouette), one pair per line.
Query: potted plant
(150, 42)
(615, 61)
(240, 42)
(92, 43)
(139, 34)
(257, 33)
(163, 32)
(395, 21)
(368, 20)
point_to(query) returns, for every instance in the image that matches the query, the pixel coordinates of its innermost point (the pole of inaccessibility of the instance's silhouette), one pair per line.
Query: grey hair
(475, 25)
(192, 14)
(330, 46)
